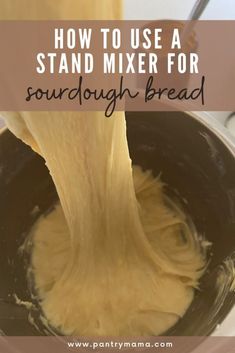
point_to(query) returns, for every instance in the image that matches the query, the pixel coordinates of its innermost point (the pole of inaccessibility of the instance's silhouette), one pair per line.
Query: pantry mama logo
(116, 65)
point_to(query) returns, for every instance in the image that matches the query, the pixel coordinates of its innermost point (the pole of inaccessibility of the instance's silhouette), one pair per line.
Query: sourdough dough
(109, 263)
(114, 265)
(60, 10)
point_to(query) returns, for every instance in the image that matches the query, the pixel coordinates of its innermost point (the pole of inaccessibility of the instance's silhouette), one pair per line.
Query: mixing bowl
(197, 163)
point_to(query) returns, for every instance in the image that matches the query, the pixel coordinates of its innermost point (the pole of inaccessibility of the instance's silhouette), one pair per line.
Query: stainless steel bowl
(196, 158)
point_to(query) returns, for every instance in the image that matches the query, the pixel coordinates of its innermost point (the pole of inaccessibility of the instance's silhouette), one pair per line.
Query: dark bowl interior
(193, 162)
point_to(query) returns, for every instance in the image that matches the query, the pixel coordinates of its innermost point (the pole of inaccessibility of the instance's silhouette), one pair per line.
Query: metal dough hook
(195, 14)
